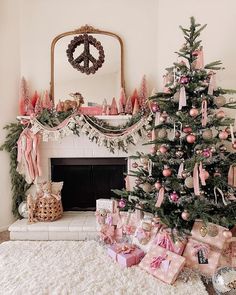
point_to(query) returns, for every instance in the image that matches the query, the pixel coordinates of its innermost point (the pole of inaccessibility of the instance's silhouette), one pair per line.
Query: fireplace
(87, 179)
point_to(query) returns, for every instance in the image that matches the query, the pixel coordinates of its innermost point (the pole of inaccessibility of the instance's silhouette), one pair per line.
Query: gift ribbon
(165, 241)
(157, 261)
(160, 197)
(204, 113)
(125, 249)
(221, 193)
(205, 248)
(182, 98)
(202, 174)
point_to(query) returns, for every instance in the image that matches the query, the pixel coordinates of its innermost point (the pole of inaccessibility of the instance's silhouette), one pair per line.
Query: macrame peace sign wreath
(83, 61)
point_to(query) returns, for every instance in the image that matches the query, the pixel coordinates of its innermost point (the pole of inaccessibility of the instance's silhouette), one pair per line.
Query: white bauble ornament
(147, 187)
(189, 182)
(219, 101)
(162, 133)
(207, 134)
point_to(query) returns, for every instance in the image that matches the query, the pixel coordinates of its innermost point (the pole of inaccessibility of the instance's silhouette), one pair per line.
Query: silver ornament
(162, 133)
(207, 134)
(23, 209)
(224, 280)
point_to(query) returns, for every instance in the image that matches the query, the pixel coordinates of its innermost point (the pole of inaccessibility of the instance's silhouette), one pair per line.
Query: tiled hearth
(72, 226)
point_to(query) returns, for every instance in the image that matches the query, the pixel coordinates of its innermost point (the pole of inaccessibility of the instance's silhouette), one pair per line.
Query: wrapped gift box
(107, 204)
(211, 234)
(163, 264)
(233, 252)
(144, 235)
(165, 240)
(125, 254)
(201, 257)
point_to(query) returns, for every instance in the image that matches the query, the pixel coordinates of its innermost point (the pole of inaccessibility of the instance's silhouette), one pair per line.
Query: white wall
(9, 81)
(149, 29)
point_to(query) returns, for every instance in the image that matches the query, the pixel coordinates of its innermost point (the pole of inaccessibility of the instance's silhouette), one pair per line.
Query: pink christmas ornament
(166, 171)
(184, 80)
(174, 197)
(191, 138)
(193, 112)
(121, 203)
(223, 135)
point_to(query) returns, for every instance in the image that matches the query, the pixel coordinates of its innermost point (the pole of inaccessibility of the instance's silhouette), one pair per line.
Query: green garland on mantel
(49, 118)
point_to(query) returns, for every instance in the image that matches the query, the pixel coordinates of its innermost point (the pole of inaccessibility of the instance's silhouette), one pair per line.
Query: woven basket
(48, 209)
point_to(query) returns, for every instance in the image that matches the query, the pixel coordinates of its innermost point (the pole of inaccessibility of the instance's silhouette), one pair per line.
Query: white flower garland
(127, 135)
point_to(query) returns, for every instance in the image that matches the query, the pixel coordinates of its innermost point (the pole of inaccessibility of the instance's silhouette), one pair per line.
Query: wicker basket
(48, 209)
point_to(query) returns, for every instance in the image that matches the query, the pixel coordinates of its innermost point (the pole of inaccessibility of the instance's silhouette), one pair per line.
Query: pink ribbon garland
(204, 113)
(196, 180)
(157, 261)
(182, 98)
(160, 197)
(205, 248)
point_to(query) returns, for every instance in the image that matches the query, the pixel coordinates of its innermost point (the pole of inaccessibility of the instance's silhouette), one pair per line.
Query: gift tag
(212, 230)
(203, 231)
(202, 257)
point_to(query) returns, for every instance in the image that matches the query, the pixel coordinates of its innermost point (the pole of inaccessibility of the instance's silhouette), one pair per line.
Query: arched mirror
(88, 61)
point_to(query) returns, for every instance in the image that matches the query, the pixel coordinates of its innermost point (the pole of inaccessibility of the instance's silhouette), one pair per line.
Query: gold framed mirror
(104, 83)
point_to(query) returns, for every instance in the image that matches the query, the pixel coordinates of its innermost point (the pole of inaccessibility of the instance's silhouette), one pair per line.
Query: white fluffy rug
(73, 268)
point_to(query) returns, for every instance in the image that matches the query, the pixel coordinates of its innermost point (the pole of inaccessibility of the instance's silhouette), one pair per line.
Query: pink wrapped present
(164, 239)
(163, 264)
(125, 254)
(201, 257)
(211, 234)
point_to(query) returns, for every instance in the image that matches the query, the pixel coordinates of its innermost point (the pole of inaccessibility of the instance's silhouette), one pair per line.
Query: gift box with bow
(125, 254)
(201, 257)
(163, 264)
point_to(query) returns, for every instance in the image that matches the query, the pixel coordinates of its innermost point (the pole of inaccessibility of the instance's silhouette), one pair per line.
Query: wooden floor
(4, 236)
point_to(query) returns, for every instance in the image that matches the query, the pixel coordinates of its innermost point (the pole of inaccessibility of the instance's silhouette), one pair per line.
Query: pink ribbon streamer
(181, 169)
(157, 118)
(212, 84)
(202, 174)
(200, 60)
(196, 180)
(205, 248)
(157, 261)
(160, 197)
(182, 98)
(204, 113)
(231, 175)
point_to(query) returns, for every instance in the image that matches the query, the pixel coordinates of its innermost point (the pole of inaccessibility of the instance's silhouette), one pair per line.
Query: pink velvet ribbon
(212, 84)
(205, 248)
(231, 175)
(196, 180)
(204, 113)
(160, 197)
(157, 261)
(202, 174)
(181, 169)
(182, 98)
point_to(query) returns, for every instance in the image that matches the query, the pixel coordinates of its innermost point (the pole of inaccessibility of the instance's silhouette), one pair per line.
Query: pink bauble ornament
(149, 135)
(177, 134)
(227, 234)
(153, 150)
(187, 129)
(163, 149)
(167, 171)
(193, 112)
(206, 153)
(134, 165)
(157, 185)
(234, 145)
(185, 215)
(174, 197)
(184, 80)
(155, 107)
(163, 117)
(223, 135)
(207, 134)
(220, 115)
(191, 138)
(121, 203)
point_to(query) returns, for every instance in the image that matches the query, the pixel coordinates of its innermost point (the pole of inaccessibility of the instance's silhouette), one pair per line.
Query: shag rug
(73, 268)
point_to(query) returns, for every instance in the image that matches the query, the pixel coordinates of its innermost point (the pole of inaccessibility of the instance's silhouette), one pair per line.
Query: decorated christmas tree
(189, 172)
